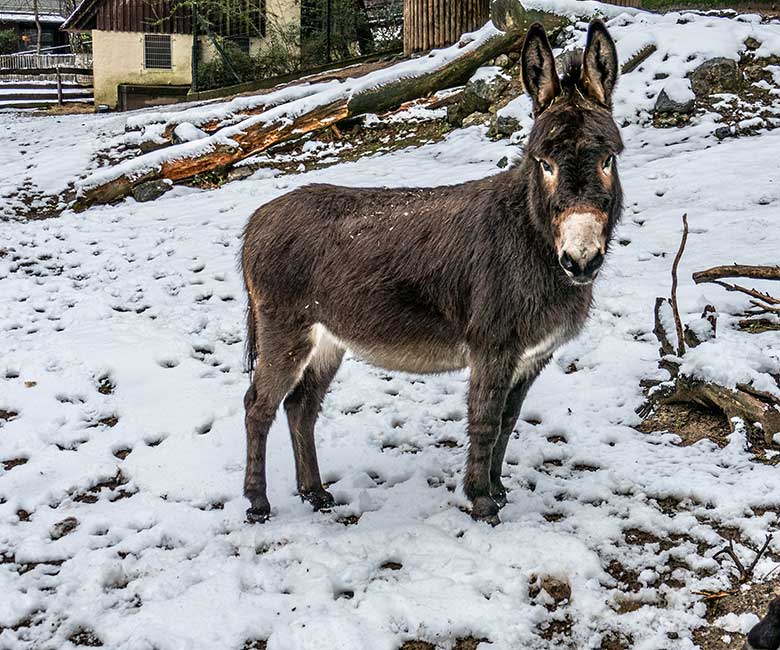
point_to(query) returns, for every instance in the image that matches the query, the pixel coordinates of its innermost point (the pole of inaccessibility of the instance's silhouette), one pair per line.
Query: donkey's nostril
(569, 264)
(594, 264)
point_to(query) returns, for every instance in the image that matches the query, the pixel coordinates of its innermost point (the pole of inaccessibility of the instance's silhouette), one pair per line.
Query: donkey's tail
(250, 352)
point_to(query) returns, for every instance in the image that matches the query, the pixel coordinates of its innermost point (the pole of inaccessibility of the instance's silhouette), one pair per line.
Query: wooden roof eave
(83, 18)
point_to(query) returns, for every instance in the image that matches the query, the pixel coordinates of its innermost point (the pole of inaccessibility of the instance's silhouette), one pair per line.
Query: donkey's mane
(571, 80)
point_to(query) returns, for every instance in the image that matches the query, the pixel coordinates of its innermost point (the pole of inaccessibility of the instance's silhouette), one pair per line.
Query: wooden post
(430, 24)
(59, 86)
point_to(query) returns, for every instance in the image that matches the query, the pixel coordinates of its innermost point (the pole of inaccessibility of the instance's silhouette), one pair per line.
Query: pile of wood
(756, 408)
(264, 126)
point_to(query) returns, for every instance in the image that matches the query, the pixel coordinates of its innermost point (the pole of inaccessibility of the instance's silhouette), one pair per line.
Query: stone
(503, 163)
(475, 119)
(64, 527)
(723, 132)
(150, 190)
(716, 76)
(240, 173)
(752, 43)
(485, 87)
(147, 146)
(504, 61)
(665, 105)
(503, 126)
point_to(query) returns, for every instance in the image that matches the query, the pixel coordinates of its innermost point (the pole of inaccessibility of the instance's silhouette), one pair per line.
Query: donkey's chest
(535, 356)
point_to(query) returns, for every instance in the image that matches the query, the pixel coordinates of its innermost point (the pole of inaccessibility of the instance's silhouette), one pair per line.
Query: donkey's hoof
(485, 509)
(319, 499)
(257, 516)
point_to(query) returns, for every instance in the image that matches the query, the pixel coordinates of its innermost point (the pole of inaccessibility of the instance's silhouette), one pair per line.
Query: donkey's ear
(599, 64)
(540, 77)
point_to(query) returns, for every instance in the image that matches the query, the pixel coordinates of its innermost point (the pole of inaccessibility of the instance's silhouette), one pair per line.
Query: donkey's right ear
(540, 77)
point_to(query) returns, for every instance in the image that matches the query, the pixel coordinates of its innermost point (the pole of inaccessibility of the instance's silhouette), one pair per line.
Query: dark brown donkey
(493, 275)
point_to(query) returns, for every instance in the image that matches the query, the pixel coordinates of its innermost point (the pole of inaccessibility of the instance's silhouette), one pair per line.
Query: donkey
(492, 275)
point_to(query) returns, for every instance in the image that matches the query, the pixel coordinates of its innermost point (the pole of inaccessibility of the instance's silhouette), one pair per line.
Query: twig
(675, 310)
(765, 309)
(738, 271)
(750, 292)
(729, 550)
(713, 595)
(760, 553)
(744, 574)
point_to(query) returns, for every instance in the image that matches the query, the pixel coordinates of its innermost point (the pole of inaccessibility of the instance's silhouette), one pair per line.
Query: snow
(18, 17)
(679, 90)
(741, 623)
(147, 297)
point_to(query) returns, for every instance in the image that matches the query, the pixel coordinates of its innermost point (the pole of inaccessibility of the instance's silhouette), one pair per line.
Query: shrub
(9, 41)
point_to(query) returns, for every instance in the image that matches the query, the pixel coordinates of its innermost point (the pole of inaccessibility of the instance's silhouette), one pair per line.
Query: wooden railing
(34, 61)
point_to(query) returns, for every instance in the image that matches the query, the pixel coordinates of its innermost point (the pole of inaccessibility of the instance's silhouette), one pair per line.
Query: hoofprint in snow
(121, 389)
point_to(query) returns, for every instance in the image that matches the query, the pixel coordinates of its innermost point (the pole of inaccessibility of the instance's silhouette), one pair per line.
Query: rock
(664, 105)
(485, 87)
(723, 132)
(716, 76)
(147, 146)
(481, 91)
(755, 72)
(150, 190)
(475, 119)
(503, 126)
(64, 527)
(751, 43)
(240, 173)
(503, 163)
(504, 61)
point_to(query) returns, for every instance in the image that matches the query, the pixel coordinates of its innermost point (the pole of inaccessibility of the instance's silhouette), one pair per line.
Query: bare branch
(750, 292)
(738, 271)
(675, 310)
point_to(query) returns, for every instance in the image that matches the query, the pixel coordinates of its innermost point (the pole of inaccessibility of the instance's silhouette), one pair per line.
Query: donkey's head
(574, 191)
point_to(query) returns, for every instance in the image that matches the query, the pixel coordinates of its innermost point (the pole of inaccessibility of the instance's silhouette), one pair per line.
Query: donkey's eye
(546, 167)
(607, 164)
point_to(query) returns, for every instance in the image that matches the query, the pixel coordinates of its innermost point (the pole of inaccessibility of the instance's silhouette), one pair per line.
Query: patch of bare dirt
(751, 598)
(689, 421)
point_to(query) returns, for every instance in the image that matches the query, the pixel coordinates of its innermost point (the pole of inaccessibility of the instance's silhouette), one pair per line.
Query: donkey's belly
(404, 356)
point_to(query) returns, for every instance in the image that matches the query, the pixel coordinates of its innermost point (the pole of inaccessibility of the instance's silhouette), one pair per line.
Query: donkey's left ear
(599, 64)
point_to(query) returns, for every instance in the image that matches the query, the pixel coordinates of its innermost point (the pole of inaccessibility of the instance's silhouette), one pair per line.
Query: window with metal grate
(157, 51)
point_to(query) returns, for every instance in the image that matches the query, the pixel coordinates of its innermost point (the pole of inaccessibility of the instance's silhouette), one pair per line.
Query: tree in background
(9, 41)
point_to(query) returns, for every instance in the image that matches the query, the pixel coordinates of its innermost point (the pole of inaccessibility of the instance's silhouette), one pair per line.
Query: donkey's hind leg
(282, 356)
(303, 407)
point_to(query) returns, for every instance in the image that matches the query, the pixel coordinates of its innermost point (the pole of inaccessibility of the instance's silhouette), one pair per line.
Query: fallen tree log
(256, 134)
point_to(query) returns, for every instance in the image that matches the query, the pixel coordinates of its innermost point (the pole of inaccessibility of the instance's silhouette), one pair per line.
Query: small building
(19, 16)
(147, 46)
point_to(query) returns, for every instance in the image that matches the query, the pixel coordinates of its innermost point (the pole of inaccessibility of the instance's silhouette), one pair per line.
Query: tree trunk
(431, 24)
(37, 26)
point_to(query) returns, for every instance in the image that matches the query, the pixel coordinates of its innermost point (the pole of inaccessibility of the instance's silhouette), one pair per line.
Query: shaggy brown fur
(437, 279)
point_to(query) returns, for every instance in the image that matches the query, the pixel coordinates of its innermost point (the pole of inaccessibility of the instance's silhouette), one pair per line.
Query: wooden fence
(76, 68)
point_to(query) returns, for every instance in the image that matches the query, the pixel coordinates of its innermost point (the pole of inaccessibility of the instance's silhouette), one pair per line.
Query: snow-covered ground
(121, 384)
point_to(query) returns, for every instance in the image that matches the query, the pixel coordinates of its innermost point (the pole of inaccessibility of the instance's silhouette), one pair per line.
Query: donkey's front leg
(491, 378)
